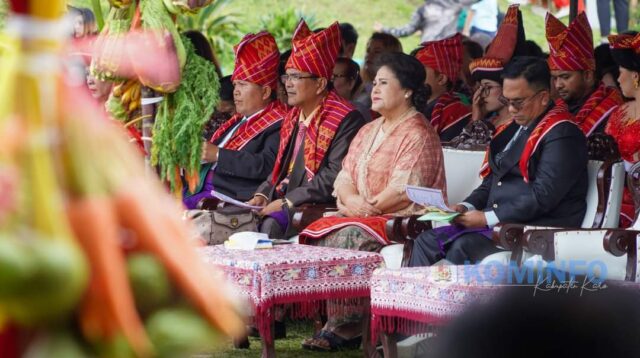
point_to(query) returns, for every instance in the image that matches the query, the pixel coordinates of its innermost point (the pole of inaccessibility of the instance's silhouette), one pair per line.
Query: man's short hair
(389, 42)
(348, 33)
(533, 69)
(472, 48)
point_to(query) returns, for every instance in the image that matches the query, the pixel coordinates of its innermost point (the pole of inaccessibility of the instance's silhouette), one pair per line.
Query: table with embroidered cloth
(414, 300)
(300, 275)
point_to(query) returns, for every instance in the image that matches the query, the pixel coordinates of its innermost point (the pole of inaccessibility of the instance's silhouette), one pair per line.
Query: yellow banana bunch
(128, 93)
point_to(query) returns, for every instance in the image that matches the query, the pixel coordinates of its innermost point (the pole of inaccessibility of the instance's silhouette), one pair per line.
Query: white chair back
(462, 171)
(614, 197)
(592, 193)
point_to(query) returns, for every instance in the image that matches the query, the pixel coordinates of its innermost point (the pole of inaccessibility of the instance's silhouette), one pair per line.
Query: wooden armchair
(607, 245)
(604, 197)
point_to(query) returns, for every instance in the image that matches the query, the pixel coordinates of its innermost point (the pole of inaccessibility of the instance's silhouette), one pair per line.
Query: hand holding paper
(230, 200)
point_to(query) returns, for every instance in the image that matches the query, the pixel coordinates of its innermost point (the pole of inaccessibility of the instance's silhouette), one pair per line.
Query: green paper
(440, 216)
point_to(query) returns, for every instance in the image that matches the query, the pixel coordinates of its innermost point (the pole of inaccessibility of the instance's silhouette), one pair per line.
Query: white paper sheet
(230, 200)
(428, 197)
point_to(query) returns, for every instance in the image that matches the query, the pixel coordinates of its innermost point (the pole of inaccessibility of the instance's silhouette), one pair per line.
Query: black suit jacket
(557, 188)
(239, 173)
(317, 190)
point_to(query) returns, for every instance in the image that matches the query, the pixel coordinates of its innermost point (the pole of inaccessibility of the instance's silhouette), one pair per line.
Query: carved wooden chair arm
(539, 241)
(507, 236)
(305, 214)
(619, 242)
(400, 229)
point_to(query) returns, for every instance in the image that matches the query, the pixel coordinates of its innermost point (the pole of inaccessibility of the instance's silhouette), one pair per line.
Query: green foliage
(177, 132)
(4, 9)
(220, 26)
(282, 24)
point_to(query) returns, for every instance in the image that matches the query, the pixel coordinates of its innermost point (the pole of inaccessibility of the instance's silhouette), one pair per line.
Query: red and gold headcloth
(257, 59)
(315, 53)
(625, 50)
(571, 48)
(444, 56)
(501, 49)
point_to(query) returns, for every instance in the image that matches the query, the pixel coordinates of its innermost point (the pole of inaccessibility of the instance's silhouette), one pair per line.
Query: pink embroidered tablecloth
(299, 274)
(411, 300)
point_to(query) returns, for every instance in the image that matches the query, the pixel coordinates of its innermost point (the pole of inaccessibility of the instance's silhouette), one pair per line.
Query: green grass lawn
(363, 14)
(285, 348)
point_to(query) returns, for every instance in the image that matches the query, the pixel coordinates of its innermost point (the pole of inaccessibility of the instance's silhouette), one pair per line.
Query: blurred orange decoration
(79, 191)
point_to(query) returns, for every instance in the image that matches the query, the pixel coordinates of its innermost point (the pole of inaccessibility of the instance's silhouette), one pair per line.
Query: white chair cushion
(462, 172)
(392, 255)
(587, 246)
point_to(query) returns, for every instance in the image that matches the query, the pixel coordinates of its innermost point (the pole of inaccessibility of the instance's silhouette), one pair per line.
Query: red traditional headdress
(571, 48)
(444, 56)
(315, 53)
(257, 59)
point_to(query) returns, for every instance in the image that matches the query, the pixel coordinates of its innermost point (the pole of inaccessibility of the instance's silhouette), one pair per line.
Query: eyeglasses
(486, 89)
(295, 78)
(517, 104)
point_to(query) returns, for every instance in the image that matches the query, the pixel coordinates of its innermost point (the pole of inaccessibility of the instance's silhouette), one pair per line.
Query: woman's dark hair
(532, 49)
(226, 88)
(282, 65)
(353, 72)
(410, 73)
(627, 57)
(533, 69)
(348, 33)
(605, 63)
(203, 48)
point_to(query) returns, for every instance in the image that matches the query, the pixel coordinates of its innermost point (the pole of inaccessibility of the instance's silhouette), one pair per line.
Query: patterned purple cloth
(299, 274)
(410, 299)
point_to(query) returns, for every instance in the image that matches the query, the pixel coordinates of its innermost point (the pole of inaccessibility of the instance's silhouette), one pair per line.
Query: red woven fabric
(257, 59)
(315, 53)
(571, 48)
(271, 114)
(501, 49)
(444, 56)
(319, 136)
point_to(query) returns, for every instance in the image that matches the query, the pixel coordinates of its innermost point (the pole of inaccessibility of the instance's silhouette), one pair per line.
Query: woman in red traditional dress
(624, 124)
(398, 149)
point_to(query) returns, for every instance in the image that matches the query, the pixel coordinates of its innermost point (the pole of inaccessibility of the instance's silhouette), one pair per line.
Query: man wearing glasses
(572, 63)
(315, 134)
(536, 172)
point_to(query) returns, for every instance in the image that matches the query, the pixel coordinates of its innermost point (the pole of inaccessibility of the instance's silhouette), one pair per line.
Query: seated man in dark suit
(536, 172)
(242, 152)
(315, 135)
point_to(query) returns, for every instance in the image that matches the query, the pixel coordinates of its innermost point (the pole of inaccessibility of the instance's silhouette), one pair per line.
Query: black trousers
(621, 8)
(471, 247)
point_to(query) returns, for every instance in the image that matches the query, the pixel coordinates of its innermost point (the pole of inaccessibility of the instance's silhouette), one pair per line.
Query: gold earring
(636, 83)
(406, 95)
